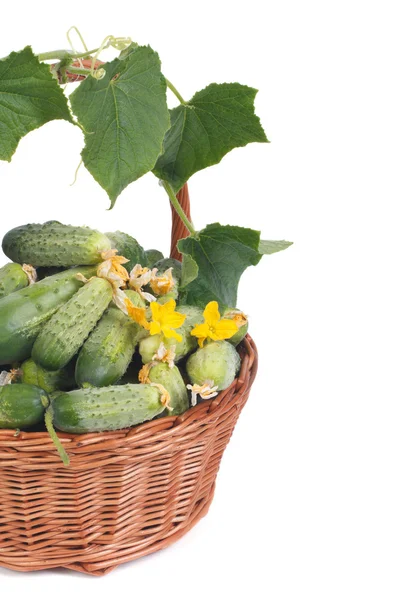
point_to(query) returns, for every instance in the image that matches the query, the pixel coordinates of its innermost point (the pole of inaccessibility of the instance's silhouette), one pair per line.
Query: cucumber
(107, 352)
(217, 362)
(21, 405)
(23, 313)
(12, 278)
(173, 382)
(53, 244)
(106, 409)
(49, 381)
(128, 247)
(149, 345)
(43, 272)
(65, 332)
(152, 256)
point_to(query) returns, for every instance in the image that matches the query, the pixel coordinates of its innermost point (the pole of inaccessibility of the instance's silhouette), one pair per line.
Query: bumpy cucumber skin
(106, 409)
(21, 405)
(43, 272)
(152, 256)
(129, 247)
(23, 313)
(49, 381)
(173, 382)
(107, 352)
(149, 345)
(216, 361)
(65, 332)
(12, 278)
(166, 263)
(55, 245)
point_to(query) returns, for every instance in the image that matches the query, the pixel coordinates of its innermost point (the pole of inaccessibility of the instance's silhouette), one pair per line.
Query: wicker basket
(126, 493)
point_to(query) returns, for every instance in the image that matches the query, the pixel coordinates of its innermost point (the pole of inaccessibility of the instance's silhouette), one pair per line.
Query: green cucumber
(128, 247)
(107, 352)
(106, 409)
(49, 381)
(173, 382)
(12, 278)
(43, 272)
(53, 244)
(217, 362)
(65, 332)
(152, 256)
(21, 405)
(23, 313)
(149, 345)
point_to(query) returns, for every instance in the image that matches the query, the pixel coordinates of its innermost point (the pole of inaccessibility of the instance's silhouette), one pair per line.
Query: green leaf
(125, 117)
(29, 98)
(216, 120)
(190, 270)
(270, 247)
(222, 253)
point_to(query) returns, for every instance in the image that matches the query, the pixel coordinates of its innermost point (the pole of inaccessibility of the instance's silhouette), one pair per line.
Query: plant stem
(175, 91)
(178, 208)
(60, 54)
(78, 71)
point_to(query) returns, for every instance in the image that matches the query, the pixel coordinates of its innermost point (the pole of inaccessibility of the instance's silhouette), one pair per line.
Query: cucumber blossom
(65, 332)
(128, 247)
(149, 345)
(53, 244)
(23, 313)
(49, 381)
(166, 263)
(217, 362)
(12, 278)
(107, 352)
(106, 409)
(173, 382)
(241, 321)
(152, 256)
(21, 405)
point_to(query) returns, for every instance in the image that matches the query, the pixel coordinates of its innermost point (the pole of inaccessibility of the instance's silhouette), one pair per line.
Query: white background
(307, 502)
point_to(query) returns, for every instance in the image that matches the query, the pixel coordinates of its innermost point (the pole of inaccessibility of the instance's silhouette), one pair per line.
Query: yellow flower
(163, 284)
(238, 316)
(136, 313)
(166, 320)
(214, 327)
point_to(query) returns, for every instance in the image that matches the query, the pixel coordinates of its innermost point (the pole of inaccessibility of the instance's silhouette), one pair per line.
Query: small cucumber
(49, 381)
(12, 278)
(173, 382)
(217, 362)
(43, 272)
(128, 247)
(23, 313)
(53, 244)
(21, 405)
(152, 256)
(65, 332)
(107, 352)
(106, 409)
(149, 345)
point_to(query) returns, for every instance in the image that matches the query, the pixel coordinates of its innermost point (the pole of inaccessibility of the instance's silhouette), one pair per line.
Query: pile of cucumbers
(71, 358)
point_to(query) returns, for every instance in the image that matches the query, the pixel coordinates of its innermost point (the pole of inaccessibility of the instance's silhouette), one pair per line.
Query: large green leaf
(29, 98)
(125, 117)
(216, 120)
(222, 253)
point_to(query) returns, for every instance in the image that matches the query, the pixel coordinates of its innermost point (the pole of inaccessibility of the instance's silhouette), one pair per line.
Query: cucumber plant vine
(121, 107)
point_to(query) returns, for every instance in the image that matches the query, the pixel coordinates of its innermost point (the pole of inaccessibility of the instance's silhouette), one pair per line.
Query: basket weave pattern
(126, 493)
